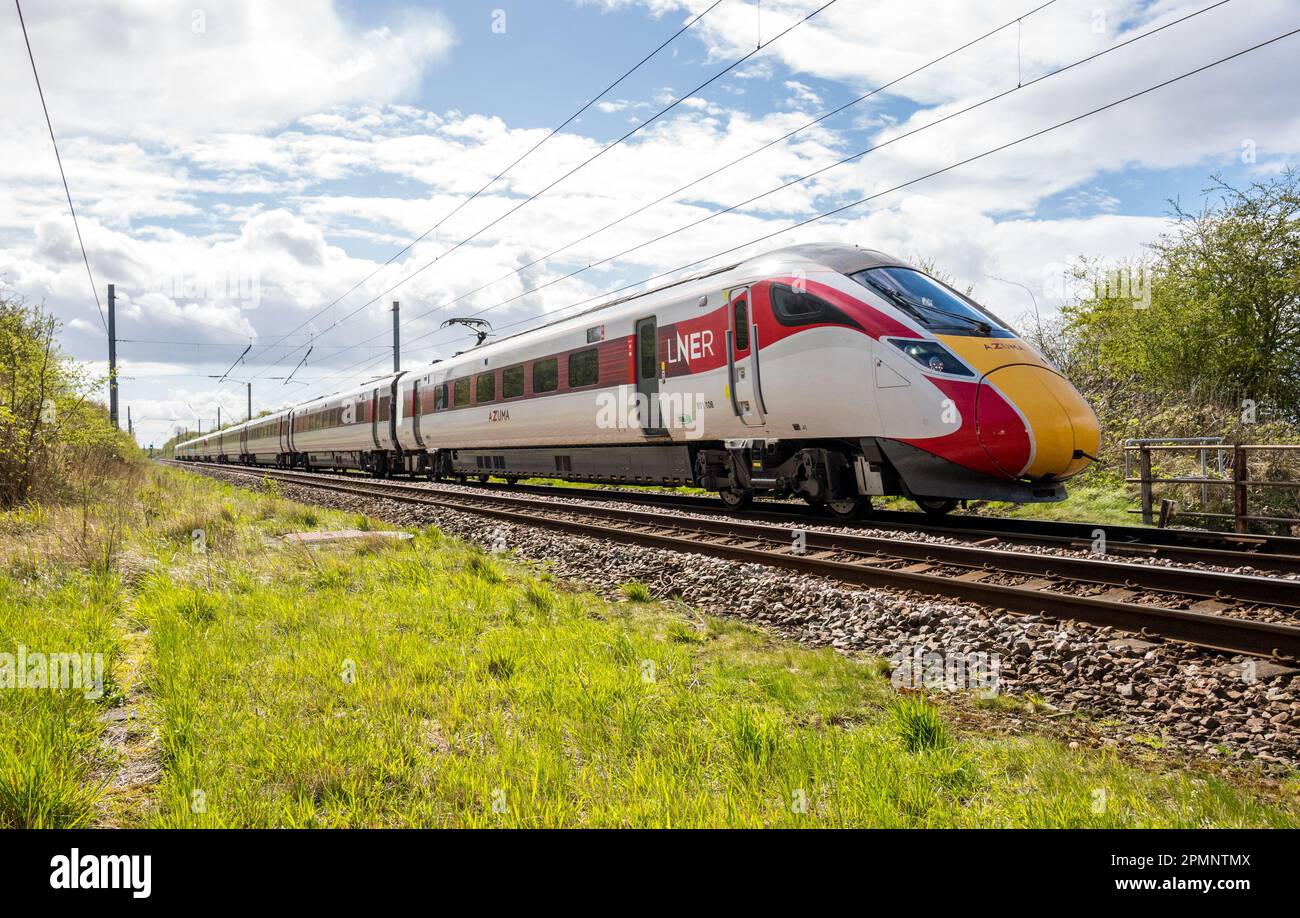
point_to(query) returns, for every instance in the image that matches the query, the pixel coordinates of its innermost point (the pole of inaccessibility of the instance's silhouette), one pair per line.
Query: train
(827, 372)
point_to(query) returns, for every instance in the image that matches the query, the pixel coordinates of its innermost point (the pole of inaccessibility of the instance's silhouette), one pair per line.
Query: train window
(741, 307)
(649, 351)
(584, 368)
(512, 382)
(546, 374)
(792, 307)
(460, 391)
(486, 388)
(935, 306)
(440, 397)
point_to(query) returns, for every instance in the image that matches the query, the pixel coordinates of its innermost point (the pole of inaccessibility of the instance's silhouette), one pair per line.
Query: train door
(416, 408)
(647, 377)
(374, 416)
(742, 359)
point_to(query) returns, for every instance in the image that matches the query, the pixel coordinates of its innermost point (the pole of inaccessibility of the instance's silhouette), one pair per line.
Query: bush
(55, 443)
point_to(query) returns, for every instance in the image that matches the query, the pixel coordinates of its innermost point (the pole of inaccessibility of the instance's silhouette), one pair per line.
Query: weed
(683, 632)
(756, 736)
(919, 724)
(483, 567)
(636, 591)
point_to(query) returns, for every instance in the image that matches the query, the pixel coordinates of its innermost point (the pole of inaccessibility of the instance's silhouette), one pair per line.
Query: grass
(636, 592)
(919, 725)
(376, 682)
(1094, 497)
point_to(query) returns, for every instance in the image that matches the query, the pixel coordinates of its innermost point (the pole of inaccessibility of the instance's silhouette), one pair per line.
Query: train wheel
(935, 506)
(736, 500)
(851, 508)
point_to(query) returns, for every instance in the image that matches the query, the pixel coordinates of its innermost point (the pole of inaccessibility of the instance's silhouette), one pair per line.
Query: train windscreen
(937, 308)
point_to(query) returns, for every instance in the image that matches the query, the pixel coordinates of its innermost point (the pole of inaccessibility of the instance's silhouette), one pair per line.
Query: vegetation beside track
(423, 682)
(56, 443)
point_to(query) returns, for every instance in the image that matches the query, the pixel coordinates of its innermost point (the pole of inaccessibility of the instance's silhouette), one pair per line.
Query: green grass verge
(424, 682)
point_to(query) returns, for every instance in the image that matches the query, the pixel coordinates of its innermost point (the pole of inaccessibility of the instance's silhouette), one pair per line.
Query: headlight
(932, 355)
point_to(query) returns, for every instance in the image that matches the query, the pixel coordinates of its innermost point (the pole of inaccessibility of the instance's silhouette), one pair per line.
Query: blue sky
(236, 176)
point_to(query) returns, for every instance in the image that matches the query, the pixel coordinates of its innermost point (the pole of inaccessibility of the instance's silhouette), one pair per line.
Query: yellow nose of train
(1064, 435)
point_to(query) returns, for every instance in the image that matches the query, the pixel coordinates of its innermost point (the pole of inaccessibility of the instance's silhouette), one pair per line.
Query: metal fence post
(1240, 475)
(1144, 471)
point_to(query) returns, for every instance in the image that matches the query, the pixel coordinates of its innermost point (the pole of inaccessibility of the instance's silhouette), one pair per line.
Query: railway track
(1271, 553)
(1280, 554)
(1205, 608)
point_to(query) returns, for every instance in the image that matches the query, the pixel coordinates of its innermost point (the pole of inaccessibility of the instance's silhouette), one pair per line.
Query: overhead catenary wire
(76, 224)
(529, 152)
(238, 360)
(786, 136)
(335, 347)
(792, 182)
(928, 175)
(945, 169)
(576, 168)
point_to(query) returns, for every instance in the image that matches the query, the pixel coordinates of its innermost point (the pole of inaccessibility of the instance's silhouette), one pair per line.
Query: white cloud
(241, 64)
(802, 95)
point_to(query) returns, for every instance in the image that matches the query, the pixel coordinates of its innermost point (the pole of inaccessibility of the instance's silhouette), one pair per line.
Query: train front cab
(1009, 426)
(946, 402)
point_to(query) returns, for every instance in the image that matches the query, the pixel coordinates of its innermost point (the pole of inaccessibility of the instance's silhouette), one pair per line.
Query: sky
(251, 176)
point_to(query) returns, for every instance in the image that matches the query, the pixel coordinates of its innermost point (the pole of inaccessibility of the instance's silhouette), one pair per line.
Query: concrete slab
(1134, 644)
(1253, 670)
(340, 535)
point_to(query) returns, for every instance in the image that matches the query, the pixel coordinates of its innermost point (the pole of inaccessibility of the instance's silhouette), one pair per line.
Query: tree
(1216, 308)
(48, 425)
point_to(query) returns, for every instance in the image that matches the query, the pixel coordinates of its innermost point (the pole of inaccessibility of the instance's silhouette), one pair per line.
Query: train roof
(842, 258)
(839, 257)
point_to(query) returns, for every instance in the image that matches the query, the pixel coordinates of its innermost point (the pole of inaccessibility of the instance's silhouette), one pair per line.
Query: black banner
(942, 867)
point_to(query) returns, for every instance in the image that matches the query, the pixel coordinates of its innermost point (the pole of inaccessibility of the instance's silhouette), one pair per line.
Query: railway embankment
(251, 679)
(1086, 686)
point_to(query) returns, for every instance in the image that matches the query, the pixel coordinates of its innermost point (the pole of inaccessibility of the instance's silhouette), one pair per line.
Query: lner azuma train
(830, 372)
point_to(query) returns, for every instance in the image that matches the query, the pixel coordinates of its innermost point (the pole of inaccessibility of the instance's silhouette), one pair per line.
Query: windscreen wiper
(907, 300)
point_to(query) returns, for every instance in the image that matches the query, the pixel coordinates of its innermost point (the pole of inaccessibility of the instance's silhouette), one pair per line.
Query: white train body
(833, 372)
